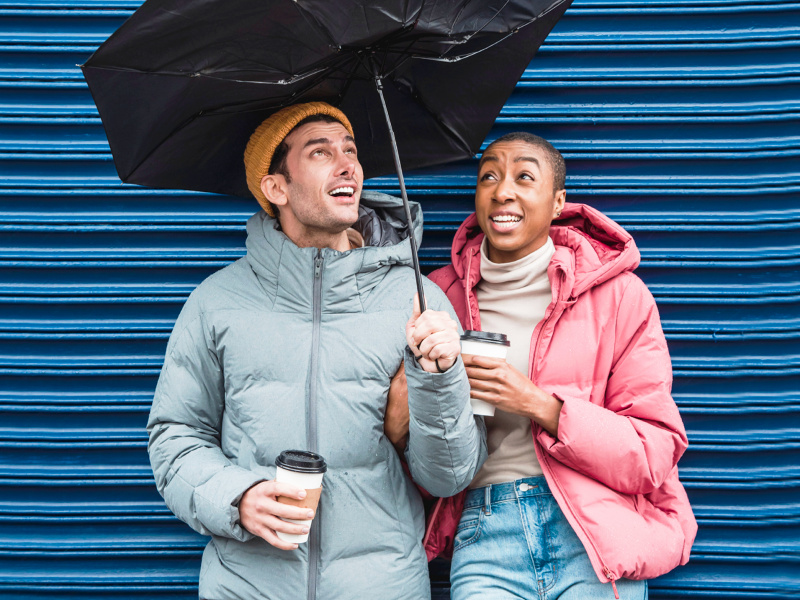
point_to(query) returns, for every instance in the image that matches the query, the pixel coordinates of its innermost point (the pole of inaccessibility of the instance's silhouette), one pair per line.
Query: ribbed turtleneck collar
(520, 273)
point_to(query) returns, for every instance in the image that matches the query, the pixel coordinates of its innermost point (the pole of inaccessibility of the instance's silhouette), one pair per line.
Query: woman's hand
(395, 423)
(495, 381)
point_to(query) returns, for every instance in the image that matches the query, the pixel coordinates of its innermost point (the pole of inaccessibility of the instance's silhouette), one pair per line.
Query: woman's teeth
(506, 220)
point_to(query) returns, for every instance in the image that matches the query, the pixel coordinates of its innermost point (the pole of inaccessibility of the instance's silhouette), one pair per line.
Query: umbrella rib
(349, 78)
(219, 110)
(550, 8)
(454, 135)
(293, 79)
(322, 77)
(401, 62)
(314, 23)
(471, 54)
(485, 25)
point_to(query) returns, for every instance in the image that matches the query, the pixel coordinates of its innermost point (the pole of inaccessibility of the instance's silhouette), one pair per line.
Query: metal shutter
(679, 119)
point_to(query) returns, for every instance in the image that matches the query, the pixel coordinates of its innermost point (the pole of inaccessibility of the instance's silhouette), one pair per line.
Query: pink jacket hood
(595, 247)
(601, 350)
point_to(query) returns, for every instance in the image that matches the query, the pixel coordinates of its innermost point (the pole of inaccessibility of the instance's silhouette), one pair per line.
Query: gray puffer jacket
(294, 348)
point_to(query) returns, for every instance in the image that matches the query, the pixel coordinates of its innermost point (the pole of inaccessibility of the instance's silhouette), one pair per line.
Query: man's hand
(433, 336)
(495, 381)
(260, 513)
(395, 423)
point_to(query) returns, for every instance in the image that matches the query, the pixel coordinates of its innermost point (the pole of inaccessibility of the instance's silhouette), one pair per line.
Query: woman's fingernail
(310, 514)
(305, 529)
(302, 495)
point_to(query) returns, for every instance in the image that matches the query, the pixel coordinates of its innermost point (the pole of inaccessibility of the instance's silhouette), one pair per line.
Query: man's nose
(346, 164)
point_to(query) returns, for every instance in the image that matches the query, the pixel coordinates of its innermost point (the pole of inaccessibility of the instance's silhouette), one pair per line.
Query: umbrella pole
(396, 154)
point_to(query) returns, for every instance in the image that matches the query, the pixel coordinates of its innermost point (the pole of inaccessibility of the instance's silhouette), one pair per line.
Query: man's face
(514, 200)
(326, 178)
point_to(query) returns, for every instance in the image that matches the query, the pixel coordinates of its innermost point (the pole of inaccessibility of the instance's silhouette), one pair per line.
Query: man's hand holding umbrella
(433, 338)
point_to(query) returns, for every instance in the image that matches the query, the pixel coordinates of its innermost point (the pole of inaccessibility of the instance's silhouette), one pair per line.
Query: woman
(581, 486)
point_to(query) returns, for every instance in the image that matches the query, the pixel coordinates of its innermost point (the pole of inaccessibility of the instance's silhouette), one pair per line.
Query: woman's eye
(526, 176)
(487, 177)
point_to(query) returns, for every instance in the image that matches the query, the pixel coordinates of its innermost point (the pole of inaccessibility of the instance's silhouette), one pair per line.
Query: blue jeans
(513, 541)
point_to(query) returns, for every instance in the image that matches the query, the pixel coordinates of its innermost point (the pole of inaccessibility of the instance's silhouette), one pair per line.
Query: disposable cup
(484, 343)
(306, 470)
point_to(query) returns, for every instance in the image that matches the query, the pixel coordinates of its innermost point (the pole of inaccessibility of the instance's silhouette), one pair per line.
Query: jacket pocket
(469, 528)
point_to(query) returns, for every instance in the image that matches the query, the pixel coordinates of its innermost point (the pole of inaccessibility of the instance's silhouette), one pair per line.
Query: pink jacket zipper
(610, 575)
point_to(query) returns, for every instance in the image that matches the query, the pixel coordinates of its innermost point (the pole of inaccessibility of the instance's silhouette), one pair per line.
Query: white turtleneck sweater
(512, 298)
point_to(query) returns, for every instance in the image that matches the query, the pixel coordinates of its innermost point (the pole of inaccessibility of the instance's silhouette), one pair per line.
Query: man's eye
(526, 176)
(487, 176)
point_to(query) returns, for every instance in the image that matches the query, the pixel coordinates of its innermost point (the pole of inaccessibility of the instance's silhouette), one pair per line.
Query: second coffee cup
(306, 470)
(484, 343)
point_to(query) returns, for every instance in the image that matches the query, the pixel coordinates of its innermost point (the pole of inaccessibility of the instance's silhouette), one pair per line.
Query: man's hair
(278, 164)
(553, 156)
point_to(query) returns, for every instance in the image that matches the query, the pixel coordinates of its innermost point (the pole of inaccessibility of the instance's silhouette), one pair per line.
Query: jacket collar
(286, 273)
(590, 249)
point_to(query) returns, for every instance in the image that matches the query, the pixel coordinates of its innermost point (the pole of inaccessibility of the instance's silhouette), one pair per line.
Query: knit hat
(268, 136)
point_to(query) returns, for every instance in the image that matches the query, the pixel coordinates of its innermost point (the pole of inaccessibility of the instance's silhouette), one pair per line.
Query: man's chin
(347, 215)
(339, 225)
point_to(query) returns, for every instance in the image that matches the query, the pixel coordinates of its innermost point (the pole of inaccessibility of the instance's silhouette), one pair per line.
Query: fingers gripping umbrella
(183, 83)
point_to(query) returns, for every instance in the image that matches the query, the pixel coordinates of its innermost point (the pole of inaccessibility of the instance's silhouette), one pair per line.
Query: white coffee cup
(484, 343)
(306, 470)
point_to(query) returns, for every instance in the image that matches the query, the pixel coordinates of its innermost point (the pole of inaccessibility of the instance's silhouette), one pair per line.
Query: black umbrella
(183, 83)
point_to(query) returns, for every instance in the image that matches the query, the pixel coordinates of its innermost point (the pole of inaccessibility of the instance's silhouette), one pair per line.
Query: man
(580, 489)
(293, 347)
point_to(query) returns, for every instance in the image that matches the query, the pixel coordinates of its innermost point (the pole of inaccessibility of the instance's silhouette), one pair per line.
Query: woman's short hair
(553, 156)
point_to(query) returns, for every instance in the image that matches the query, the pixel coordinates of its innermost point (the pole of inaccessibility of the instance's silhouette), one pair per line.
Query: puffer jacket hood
(594, 248)
(600, 349)
(294, 347)
(381, 222)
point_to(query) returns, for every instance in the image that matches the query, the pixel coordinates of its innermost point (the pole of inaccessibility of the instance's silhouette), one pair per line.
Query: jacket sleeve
(633, 442)
(198, 482)
(446, 443)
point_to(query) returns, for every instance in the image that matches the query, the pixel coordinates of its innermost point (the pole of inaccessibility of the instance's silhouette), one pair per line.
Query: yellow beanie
(268, 136)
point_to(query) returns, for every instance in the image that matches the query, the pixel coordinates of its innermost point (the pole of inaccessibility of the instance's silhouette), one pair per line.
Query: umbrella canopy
(183, 83)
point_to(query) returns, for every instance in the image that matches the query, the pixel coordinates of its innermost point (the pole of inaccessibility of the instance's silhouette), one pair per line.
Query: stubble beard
(312, 213)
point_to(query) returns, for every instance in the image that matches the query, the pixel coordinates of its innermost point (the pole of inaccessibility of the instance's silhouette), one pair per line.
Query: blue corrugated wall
(680, 119)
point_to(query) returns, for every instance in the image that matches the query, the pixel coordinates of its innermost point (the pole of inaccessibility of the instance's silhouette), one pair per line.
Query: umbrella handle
(396, 154)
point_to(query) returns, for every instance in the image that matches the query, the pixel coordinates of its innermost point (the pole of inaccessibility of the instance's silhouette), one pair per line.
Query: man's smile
(342, 191)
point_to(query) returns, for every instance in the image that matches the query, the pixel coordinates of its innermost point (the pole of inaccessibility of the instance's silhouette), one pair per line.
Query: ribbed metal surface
(680, 119)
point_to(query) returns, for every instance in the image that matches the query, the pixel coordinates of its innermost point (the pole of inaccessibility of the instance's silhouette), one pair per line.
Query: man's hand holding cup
(261, 514)
(280, 511)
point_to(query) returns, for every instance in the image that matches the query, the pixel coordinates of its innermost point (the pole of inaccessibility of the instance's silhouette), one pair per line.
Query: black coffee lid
(486, 336)
(301, 461)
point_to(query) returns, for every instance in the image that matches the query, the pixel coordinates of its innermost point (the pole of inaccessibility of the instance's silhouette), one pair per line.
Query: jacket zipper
(610, 575)
(311, 419)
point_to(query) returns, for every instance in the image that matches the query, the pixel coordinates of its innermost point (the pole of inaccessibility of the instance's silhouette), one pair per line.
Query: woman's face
(514, 199)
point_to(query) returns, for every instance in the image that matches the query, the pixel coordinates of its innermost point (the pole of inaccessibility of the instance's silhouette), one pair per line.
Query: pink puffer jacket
(601, 350)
